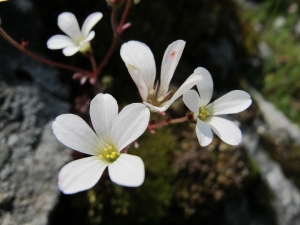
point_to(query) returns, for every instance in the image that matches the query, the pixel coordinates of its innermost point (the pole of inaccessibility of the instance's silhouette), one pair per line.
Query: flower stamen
(203, 113)
(109, 154)
(161, 98)
(151, 92)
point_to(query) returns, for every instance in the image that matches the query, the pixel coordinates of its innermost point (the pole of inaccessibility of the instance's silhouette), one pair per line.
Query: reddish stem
(166, 122)
(107, 56)
(123, 19)
(117, 32)
(93, 62)
(38, 58)
(117, 29)
(113, 21)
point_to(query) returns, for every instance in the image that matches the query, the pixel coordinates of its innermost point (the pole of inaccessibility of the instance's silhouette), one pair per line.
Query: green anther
(203, 113)
(85, 47)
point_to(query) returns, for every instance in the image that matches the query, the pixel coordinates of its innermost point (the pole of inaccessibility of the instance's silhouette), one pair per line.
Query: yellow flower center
(156, 100)
(85, 47)
(109, 154)
(153, 99)
(203, 113)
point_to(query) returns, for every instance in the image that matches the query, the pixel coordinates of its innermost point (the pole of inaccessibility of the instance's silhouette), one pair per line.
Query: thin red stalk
(38, 58)
(113, 21)
(108, 55)
(118, 32)
(166, 122)
(93, 62)
(123, 19)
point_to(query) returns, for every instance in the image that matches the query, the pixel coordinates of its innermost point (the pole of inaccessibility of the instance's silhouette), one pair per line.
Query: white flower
(140, 63)
(77, 40)
(113, 133)
(206, 114)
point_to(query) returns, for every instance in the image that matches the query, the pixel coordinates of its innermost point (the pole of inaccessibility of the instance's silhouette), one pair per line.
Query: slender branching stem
(38, 58)
(117, 32)
(113, 21)
(93, 62)
(123, 19)
(166, 122)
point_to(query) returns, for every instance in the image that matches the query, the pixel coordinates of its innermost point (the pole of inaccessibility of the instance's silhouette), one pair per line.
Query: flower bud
(191, 117)
(115, 3)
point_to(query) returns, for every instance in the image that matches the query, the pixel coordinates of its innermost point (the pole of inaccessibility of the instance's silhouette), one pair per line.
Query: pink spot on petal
(173, 55)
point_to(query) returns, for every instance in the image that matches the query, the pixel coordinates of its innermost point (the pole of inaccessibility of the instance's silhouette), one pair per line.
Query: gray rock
(297, 28)
(26, 24)
(30, 155)
(264, 50)
(279, 23)
(286, 201)
(276, 121)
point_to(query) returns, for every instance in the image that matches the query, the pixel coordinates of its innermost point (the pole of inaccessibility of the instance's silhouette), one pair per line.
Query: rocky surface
(286, 196)
(277, 123)
(30, 155)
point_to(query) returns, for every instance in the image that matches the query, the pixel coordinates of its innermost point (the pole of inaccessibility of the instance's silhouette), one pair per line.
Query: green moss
(280, 71)
(113, 204)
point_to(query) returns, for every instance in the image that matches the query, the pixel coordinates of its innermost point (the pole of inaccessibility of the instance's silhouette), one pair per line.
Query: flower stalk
(38, 58)
(166, 122)
(117, 30)
(96, 68)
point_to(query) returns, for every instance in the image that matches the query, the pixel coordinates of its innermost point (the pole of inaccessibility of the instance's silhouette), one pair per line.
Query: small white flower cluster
(115, 131)
(141, 65)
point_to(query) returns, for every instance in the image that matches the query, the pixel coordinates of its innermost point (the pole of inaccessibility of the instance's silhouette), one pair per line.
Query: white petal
(73, 132)
(129, 124)
(67, 22)
(156, 108)
(205, 87)
(192, 100)
(138, 79)
(90, 36)
(90, 22)
(169, 64)
(127, 170)
(59, 42)
(138, 55)
(204, 133)
(103, 111)
(233, 102)
(226, 130)
(80, 174)
(69, 51)
(187, 85)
